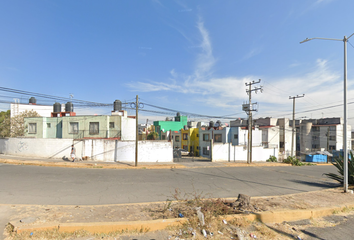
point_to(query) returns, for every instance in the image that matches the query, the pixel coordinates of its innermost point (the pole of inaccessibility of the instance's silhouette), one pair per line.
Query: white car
(183, 152)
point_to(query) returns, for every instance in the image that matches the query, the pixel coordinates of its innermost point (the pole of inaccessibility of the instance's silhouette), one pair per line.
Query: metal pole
(249, 157)
(327, 142)
(293, 133)
(345, 127)
(345, 169)
(292, 136)
(137, 131)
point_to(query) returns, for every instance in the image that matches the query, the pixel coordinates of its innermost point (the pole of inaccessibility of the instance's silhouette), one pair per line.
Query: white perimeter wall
(227, 152)
(38, 147)
(124, 151)
(95, 149)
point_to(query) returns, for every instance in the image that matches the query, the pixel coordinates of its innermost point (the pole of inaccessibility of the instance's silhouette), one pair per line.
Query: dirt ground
(28, 215)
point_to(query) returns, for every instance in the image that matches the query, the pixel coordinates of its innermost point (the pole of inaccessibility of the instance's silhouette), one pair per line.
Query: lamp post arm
(333, 39)
(350, 36)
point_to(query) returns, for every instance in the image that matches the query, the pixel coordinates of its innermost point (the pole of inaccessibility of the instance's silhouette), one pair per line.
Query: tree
(3, 130)
(15, 126)
(152, 136)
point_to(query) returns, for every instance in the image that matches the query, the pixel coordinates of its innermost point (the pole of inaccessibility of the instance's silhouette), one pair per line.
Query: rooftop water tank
(32, 100)
(69, 107)
(211, 124)
(117, 106)
(56, 107)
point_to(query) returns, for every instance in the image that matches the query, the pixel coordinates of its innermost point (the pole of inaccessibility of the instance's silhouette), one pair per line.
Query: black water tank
(178, 114)
(69, 107)
(56, 107)
(33, 100)
(211, 124)
(117, 106)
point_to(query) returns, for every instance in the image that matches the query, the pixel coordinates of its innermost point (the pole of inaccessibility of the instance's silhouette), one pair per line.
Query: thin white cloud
(321, 85)
(253, 52)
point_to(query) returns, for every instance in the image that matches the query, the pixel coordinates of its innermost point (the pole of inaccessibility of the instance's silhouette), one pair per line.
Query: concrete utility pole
(292, 136)
(248, 108)
(137, 131)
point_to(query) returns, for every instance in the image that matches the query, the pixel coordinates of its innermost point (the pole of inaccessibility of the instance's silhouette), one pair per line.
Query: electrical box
(246, 107)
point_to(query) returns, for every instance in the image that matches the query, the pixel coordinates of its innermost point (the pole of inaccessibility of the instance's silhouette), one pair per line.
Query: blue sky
(193, 56)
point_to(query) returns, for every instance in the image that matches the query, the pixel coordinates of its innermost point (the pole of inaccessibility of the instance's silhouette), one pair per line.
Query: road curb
(102, 165)
(160, 224)
(97, 165)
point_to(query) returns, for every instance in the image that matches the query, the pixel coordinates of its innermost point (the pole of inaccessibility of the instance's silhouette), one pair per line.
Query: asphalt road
(69, 186)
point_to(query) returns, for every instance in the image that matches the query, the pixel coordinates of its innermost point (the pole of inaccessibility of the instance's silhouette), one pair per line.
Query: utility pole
(248, 108)
(327, 141)
(292, 135)
(137, 131)
(136, 105)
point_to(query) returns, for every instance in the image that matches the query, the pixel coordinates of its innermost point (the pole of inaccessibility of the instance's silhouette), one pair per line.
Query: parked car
(182, 152)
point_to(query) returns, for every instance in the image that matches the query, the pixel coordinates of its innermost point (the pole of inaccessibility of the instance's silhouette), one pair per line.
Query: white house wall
(128, 129)
(42, 110)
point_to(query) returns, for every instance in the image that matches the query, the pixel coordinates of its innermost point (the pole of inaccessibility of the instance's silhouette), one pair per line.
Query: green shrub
(339, 164)
(294, 161)
(272, 159)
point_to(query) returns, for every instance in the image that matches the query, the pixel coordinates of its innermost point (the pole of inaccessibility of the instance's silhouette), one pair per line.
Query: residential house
(164, 126)
(117, 126)
(321, 134)
(190, 140)
(177, 139)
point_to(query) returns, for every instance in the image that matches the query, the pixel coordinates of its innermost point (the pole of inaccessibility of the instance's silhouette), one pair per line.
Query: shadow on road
(313, 236)
(317, 184)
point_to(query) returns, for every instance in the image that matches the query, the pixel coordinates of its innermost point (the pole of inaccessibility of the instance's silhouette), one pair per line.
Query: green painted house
(116, 126)
(176, 125)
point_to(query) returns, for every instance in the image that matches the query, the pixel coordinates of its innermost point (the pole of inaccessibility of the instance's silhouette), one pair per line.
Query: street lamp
(345, 153)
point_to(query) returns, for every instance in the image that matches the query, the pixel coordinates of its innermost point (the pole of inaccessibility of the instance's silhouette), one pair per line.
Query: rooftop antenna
(71, 97)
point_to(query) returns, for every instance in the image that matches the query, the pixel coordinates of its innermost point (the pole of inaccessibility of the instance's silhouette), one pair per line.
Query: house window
(332, 138)
(185, 136)
(314, 146)
(206, 137)
(74, 128)
(163, 137)
(185, 147)
(177, 138)
(316, 129)
(218, 138)
(332, 147)
(235, 136)
(197, 147)
(205, 151)
(332, 128)
(111, 125)
(32, 128)
(49, 125)
(198, 135)
(94, 128)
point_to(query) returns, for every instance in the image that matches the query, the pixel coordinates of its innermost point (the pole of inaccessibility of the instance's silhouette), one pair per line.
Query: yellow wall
(191, 141)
